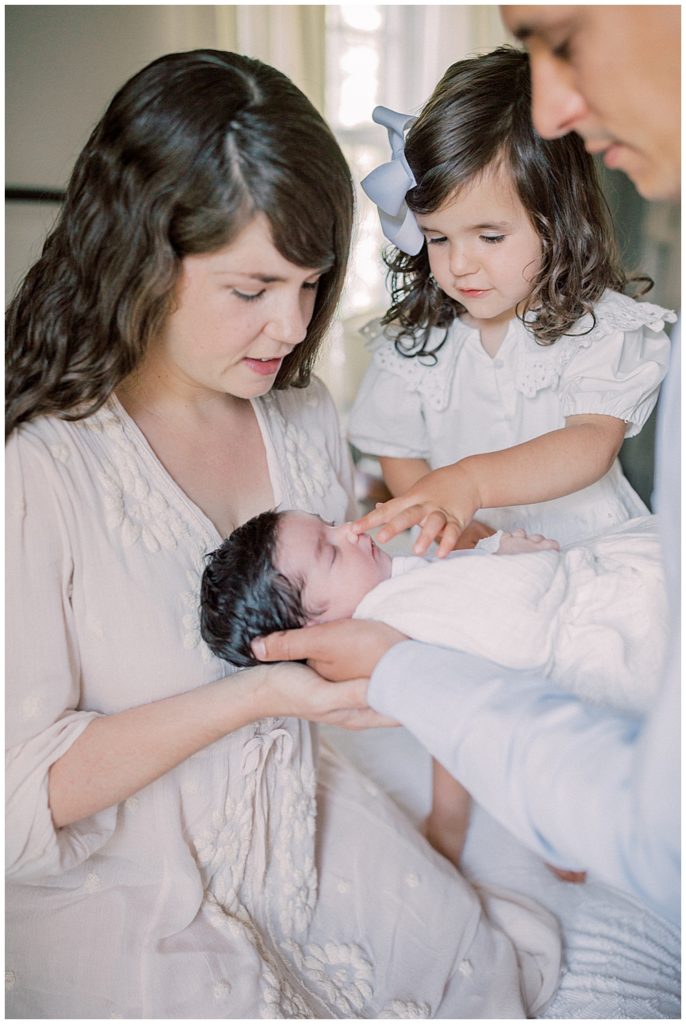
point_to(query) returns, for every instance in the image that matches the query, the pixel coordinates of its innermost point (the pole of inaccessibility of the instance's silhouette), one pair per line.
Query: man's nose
(557, 106)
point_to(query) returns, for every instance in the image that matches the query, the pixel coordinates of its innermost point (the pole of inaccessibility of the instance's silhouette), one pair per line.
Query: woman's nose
(289, 323)
(557, 106)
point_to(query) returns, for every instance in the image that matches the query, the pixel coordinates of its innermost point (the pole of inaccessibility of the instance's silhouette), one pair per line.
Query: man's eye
(563, 50)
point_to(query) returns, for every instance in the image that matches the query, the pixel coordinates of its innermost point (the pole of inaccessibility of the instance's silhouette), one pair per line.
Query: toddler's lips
(474, 293)
(263, 367)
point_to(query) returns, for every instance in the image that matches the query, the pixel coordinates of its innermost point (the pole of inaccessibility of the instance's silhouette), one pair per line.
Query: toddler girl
(509, 362)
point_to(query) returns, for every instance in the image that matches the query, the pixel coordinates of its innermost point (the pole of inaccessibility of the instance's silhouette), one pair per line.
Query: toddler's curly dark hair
(479, 116)
(243, 595)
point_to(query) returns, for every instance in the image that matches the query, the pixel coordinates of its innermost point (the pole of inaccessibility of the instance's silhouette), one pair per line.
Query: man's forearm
(577, 784)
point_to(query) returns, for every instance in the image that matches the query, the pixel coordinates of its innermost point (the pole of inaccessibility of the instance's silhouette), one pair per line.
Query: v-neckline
(196, 512)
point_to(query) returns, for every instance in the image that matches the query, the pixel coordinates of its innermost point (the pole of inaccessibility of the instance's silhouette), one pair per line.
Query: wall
(63, 64)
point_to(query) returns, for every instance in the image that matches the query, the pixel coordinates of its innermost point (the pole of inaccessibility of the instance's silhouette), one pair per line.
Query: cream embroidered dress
(466, 402)
(240, 884)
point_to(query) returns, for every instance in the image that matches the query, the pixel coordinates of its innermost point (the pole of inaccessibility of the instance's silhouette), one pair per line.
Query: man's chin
(653, 181)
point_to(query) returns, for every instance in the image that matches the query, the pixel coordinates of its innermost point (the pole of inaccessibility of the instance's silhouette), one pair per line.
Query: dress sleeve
(42, 670)
(387, 417)
(617, 375)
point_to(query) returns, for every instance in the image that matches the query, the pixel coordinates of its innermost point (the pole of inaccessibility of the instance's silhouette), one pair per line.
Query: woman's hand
(295, 691)
(345, 649)
(443, 503)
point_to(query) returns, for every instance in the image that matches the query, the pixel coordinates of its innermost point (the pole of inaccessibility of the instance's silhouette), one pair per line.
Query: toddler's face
(337, 566)
(483, 250)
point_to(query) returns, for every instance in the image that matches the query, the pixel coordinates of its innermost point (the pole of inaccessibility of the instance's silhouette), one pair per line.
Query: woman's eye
(492, 239)
(247, 296)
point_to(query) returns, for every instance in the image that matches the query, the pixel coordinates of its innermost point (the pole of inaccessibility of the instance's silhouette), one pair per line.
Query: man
(585, 788)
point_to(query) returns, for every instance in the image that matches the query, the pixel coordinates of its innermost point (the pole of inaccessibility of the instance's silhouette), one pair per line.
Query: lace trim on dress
(540, 368)
(308, 467)
(433, 380)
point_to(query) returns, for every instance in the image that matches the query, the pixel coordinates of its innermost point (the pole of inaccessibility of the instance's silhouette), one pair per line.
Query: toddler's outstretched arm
(444, 501)
(401, 474)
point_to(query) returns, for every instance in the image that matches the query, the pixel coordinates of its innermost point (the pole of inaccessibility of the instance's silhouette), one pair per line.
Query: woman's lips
(263, 367)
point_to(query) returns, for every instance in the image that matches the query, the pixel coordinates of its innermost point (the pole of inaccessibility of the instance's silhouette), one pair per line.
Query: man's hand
(342, 650)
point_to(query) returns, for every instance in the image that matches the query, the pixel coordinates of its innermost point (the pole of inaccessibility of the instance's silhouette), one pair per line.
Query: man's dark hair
(243, 595)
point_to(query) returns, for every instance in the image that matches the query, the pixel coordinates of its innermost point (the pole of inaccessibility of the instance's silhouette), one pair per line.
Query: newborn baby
(591, 617)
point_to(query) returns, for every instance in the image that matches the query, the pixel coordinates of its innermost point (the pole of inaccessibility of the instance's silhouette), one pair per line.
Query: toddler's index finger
(371, 519)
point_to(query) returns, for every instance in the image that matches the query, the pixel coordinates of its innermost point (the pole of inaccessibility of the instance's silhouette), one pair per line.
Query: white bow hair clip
(388, 185)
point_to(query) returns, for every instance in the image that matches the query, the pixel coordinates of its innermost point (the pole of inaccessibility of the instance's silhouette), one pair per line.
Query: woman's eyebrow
(269, 278)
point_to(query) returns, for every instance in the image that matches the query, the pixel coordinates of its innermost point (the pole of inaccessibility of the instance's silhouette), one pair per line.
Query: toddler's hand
(518, 542)
(442, 503)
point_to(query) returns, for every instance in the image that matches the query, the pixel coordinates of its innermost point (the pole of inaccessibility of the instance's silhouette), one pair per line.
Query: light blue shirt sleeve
(587, 788)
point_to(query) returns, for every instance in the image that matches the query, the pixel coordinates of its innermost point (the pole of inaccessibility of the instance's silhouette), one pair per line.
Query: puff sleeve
(618, 372)
(42, 669)
(387, 418)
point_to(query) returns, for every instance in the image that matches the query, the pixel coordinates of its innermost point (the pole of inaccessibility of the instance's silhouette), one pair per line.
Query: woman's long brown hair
(188, 151)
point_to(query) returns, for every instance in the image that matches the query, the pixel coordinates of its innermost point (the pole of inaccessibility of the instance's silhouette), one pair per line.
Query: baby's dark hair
(243, 595)
(479, 116)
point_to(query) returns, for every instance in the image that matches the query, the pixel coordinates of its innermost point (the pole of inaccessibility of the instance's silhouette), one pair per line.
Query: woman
(170, 851)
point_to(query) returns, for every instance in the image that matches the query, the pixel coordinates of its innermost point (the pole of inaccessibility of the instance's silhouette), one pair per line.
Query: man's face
(611, 74)
(336, 566)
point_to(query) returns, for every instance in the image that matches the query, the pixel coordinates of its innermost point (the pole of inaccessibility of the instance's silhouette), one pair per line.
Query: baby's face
(337, 566)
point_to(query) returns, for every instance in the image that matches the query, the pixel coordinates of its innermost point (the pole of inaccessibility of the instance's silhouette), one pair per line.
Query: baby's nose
(349, 534)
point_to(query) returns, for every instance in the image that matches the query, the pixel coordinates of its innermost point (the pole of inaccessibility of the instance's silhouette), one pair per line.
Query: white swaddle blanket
(592, 618)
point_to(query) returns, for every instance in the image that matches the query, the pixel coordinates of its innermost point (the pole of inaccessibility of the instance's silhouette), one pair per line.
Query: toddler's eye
(436, 241)
(492, 239)
(248, 296)
(311, 286)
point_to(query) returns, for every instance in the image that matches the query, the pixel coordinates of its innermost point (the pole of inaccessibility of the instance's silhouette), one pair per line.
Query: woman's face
(239, 312)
